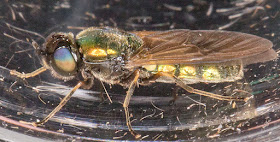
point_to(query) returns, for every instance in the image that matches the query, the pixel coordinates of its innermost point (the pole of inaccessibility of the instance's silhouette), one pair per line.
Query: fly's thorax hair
(111, 71)
(53, 42)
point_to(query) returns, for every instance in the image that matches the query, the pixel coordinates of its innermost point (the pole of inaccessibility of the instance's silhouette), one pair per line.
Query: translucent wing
(200, 46)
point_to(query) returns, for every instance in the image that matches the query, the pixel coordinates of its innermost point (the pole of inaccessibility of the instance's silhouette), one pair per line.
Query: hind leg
(190, 89)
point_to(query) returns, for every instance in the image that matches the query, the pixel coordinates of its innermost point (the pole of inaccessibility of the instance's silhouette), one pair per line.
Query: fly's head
(60, 55)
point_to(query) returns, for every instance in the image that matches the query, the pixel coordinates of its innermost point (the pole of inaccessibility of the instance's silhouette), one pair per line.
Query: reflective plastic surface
(87, 117)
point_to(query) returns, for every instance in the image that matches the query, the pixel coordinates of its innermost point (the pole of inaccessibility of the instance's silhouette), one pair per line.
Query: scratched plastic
(86, 117)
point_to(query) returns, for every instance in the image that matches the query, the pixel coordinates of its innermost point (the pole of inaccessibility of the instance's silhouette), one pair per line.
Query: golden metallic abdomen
(212, 73)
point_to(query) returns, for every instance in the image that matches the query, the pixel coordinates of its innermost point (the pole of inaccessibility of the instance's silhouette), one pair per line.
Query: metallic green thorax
(106, 39)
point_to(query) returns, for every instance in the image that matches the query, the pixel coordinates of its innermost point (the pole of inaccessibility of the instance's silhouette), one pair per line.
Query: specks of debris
(173, 7)
(210, 9)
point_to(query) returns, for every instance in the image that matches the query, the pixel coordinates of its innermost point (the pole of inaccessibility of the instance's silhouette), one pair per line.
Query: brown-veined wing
(200, 46)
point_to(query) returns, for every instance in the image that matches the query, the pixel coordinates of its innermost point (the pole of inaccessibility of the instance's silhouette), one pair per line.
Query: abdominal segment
(199, 73)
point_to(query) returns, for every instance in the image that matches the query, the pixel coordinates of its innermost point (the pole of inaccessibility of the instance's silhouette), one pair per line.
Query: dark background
(86, 117)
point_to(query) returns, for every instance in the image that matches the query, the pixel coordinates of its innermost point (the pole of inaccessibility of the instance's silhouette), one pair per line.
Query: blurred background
(87, 118)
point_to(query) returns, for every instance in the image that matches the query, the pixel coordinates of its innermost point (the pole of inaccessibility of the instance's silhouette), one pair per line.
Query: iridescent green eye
(64, 60)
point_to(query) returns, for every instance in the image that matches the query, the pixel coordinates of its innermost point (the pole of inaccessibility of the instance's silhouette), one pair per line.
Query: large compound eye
(64, 60)
(60, 55)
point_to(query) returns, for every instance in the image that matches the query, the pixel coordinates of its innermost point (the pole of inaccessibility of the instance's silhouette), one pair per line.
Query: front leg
(57, 108)
(28, 75)
(129, 93)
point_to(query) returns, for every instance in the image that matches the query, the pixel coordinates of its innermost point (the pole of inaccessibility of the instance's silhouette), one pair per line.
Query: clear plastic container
(86, 117)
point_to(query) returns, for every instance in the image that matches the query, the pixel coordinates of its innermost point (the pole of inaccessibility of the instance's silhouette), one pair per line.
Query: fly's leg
(147, 81)
(60, 105)
(175, 95)
(101, 96)
(28, 75)
(153, 78)
(129, 93)
(106, 92)
(203, 93)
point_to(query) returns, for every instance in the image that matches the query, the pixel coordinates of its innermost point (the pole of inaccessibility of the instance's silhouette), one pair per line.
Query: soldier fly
(142, 57)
